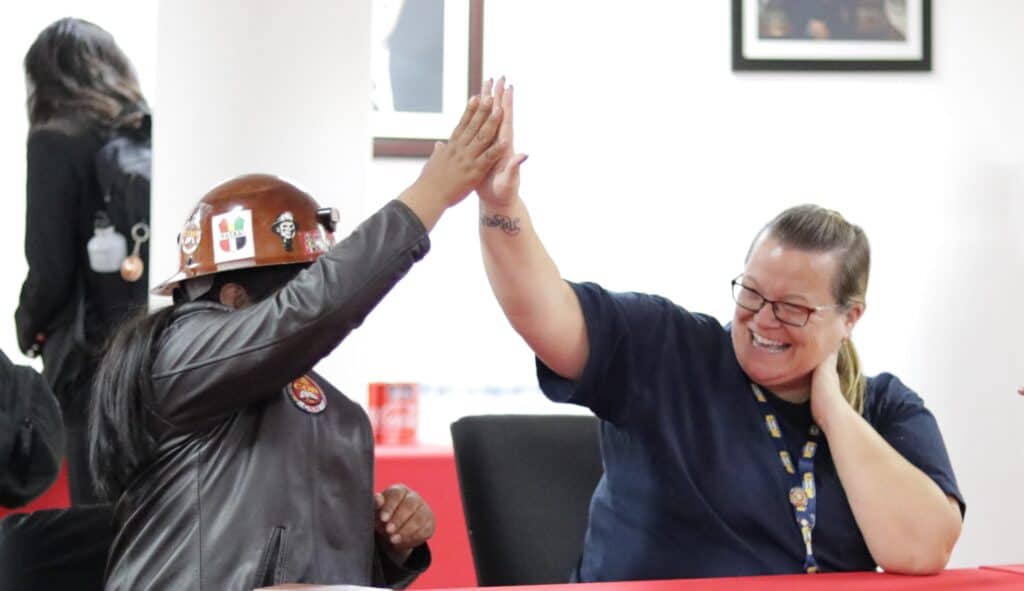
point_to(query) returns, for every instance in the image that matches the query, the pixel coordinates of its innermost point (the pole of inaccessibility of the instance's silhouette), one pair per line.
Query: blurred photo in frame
(425, 62)
(838, 35)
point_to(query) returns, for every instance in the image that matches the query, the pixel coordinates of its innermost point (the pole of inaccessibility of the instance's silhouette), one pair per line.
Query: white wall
(652, 165)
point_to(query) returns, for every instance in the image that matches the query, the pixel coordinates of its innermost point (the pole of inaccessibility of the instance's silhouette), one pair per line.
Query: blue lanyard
(802, 494)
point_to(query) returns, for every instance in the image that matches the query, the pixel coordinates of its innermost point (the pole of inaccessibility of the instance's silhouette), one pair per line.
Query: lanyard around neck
(802, 493)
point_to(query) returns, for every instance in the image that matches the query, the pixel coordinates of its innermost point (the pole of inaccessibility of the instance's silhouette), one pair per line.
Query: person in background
(752, 448)
(81, 87)
(231, 463)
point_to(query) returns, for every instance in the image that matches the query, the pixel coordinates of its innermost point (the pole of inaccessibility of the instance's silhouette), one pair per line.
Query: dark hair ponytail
(120, 435)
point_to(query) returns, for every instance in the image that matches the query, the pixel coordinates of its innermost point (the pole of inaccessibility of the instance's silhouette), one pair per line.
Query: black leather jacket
(248, 489)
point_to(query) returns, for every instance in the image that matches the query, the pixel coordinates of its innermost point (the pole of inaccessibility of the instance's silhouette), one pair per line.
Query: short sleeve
(900, 417)
(630, 335)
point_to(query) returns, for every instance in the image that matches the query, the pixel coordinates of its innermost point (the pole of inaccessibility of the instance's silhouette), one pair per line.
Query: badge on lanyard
(802, 492)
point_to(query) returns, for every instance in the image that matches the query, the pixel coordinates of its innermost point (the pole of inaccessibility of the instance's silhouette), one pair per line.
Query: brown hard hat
(254, 220)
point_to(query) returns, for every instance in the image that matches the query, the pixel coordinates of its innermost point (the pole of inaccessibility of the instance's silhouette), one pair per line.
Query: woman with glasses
(752, 448)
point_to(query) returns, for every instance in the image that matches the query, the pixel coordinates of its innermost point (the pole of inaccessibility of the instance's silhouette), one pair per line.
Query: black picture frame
(745, 58)
(395, 145)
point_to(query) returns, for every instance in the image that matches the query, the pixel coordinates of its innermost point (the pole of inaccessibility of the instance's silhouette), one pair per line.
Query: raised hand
(457, 166)
(501, 185)
(403, 518)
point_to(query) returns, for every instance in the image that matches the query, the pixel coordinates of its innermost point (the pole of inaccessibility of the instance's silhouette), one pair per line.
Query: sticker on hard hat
(232, 236)
(314, 242)
(191, 233)
(307, 395)
(285, 227)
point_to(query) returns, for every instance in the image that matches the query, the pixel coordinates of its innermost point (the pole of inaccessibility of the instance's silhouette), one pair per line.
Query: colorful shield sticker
(232, 236)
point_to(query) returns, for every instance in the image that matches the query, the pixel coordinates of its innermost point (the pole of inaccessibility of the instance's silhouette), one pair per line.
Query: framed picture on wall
(838, 35)
(425, 63)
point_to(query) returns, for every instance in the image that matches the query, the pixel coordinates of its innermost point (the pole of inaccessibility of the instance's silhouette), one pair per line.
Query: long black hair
(75, 69)
(122, 412)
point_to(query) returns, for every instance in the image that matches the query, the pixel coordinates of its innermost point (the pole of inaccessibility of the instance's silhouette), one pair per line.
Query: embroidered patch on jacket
(307, 395)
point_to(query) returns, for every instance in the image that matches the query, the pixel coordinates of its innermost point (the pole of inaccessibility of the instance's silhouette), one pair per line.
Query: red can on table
(394, 412)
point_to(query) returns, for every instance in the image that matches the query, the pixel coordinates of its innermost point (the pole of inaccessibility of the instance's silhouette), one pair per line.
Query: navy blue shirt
(693, 485)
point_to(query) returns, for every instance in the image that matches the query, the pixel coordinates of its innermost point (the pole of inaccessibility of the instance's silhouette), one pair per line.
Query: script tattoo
(508, 225)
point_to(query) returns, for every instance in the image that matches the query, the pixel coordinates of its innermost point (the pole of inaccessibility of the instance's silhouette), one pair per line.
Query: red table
(971, 579)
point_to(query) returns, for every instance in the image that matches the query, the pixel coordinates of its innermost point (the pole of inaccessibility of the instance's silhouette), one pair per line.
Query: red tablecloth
(969, 579)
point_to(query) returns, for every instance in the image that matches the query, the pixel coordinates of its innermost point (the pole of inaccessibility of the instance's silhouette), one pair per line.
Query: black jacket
(31, 434)
(62, 198)
(247, 489)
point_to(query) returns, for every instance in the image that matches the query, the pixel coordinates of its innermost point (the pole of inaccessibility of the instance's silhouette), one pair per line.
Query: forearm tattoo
(508, 225)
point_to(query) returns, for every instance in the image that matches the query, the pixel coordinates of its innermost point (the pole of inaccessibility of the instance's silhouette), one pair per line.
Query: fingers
(481, 127)
(405, 510)
(417, 530)
(417, 527)
(410, 524)
(505, 133)
(391, 498)
(499, 91)
(464, 133)
(467, 116)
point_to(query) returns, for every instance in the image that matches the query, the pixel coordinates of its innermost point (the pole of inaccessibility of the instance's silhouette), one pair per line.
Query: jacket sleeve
(213, 363)
(386, 571)
(52, 203)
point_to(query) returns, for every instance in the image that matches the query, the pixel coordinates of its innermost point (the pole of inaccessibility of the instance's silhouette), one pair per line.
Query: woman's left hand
(827, 399)
(403, 518)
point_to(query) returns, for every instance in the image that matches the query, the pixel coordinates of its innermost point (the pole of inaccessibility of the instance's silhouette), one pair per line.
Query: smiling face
(776, 355)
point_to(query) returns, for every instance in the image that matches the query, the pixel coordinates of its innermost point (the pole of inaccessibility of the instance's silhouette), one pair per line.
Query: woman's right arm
(538, 303)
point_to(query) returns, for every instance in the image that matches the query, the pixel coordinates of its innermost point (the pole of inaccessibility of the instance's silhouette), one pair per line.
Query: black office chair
(526, 483)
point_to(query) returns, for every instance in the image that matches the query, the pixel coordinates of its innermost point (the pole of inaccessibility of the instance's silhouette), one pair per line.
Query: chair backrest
(526, 483)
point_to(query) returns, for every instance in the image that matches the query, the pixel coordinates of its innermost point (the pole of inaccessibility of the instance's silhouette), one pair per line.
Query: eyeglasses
(785, 312)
